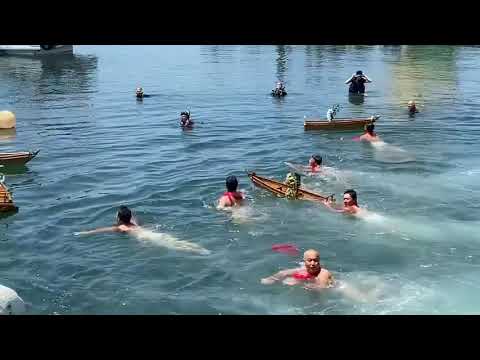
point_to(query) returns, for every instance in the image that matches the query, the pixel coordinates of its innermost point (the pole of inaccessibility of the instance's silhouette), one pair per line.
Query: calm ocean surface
(100, 148)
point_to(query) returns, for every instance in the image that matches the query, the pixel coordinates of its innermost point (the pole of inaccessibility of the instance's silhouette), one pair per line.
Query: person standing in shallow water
(231, 197)
(357, 83)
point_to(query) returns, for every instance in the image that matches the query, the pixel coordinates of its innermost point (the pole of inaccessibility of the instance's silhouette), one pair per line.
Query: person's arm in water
(100, 230)
(279, 276)
(349, 80)
(329, 204)
(367, 79)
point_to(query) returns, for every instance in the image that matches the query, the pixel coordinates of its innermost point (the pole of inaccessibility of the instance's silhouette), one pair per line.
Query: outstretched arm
(366, 78)
(100, 230)
(278, 276)
(329, 205)
(349, 80)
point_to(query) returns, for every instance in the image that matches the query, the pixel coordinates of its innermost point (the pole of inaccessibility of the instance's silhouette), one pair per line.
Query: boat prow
(35, 50)
(17, 158)
(338, 124)
(280, 189)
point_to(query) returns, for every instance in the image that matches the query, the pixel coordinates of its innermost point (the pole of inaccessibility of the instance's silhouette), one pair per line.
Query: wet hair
(186, 114)
(232, 183)
(359, 72)
(124, 215)
(318, 159)
(370, 128)
(353, 195)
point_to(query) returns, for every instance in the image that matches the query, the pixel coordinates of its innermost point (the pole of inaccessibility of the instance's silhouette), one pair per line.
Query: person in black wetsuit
(357, 83)
(279, 90)
(140, 94)
(185, 121)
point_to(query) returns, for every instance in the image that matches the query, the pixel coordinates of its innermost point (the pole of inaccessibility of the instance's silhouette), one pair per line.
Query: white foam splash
(168, 241)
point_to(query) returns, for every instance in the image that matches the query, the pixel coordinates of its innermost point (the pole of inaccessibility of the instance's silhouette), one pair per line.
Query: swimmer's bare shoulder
(116, 228)
(325, 279)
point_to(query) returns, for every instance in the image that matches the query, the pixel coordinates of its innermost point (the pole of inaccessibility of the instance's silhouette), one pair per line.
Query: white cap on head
(10, 302)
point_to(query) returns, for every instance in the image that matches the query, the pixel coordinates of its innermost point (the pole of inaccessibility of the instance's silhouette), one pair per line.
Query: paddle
(288, 249)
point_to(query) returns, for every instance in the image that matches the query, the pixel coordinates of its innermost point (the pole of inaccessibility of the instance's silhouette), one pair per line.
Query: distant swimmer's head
(370, 128)
(232, 183)
(315, 159)
(279, 85)
(124, 215)
(359, 73)
(411, 105)
(350, 198)
(184, 115)
(139, 92)
(311, 259)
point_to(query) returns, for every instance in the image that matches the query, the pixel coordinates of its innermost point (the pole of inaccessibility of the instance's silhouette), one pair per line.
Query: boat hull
(17, 158)
(280, 189)
(337, 124)
(34, 50)
(6, 201)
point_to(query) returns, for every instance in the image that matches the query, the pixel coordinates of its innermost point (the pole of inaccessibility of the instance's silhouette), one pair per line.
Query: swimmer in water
(312, 273)
(370, 135)
(231, 197)
(412, 107)
(350, 205)
(125, 223)
(314, 277)
(315, 163)
(279, 90)
(185, 121)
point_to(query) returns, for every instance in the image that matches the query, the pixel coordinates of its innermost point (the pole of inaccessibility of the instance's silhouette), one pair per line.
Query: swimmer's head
(184, 115)
(139, 91)
(350, 198)
(311, 259)
(124, 215)
(315, 159)
(279, 85)
(232, 183)
(411, 105)
(359, 73)
(369, 128)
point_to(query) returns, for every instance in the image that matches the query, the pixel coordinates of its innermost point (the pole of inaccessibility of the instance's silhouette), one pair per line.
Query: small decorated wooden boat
(280, 189)
(17, 158)
(338, 124)
(6, 201)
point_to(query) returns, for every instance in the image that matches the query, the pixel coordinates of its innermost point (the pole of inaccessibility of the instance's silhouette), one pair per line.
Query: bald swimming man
(312, 273)
(315, 277)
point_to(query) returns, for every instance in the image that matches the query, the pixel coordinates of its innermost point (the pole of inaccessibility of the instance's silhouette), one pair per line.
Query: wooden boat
(17, 158)
(338, 124)
(6, 201)
(280, 189)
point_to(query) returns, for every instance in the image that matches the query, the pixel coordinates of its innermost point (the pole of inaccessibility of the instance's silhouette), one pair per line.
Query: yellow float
(7, 120)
